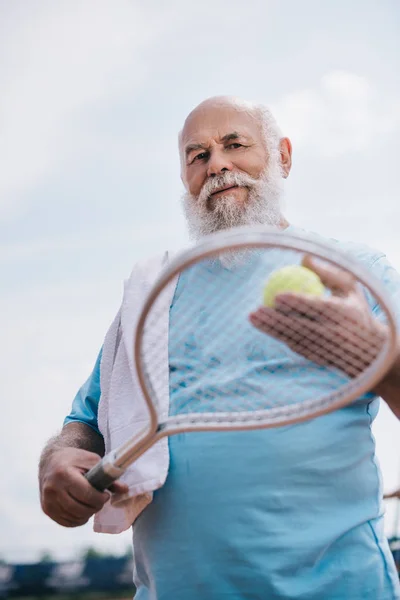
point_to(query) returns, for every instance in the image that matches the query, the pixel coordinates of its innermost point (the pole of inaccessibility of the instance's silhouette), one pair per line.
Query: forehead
(213, 123)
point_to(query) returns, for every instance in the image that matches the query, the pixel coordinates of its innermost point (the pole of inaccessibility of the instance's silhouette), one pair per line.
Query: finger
(60, 506)
(80, 490)
(316, 353)
(74, 520)
(67, 521)
(119, 488)
(321, 343)
(306, 305)
(392, 495)
(85, 460)
(340, 335)
(337, 280)
(89, 501)
(333, 309)
(351, 319)
(287, 328)
(73, 508)
(72, 481)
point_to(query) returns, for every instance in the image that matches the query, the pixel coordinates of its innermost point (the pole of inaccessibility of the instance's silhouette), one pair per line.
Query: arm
(389, 388)
(74, 435)
(395, 494)
(66, 496)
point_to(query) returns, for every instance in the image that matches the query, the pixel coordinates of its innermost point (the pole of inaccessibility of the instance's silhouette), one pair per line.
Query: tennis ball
(292, 278)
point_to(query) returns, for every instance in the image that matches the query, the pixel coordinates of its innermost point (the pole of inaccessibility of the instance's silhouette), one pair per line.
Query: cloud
(344, 113)
(59, 59)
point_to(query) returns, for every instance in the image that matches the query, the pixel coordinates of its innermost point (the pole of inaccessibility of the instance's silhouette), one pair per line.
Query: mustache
(226, 179)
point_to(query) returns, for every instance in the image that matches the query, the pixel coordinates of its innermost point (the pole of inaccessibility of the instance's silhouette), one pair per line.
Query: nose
(218, 163)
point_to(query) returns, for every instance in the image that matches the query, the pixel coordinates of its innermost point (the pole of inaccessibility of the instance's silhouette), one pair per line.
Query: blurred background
(93, 94)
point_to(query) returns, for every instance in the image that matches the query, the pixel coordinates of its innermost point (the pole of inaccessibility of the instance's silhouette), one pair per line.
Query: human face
(217, 140)
(231, 180)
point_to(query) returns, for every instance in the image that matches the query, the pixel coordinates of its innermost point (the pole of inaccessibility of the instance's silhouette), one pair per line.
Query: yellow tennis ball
(292, 278)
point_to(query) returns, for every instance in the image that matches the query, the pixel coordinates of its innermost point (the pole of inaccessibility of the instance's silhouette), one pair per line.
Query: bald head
(232, 144)
(223, 102)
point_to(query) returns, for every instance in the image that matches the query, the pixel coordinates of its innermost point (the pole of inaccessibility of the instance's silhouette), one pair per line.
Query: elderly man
(293, 513)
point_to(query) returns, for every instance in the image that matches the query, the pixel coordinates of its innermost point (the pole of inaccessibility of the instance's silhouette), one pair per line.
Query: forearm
(80, 435)
(389, 388)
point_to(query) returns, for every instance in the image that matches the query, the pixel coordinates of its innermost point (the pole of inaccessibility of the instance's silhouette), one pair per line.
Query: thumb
(119, 488)
(336, 279)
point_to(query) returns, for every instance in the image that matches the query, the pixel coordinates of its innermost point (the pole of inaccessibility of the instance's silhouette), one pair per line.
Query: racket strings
(333, 317)
(206, 321)
(351, 352)
(221, 364)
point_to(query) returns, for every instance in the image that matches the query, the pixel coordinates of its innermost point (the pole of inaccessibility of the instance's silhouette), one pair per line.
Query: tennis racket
(324, 351)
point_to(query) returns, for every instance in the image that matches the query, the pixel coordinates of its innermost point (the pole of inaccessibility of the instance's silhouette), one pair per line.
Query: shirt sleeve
(86, 403)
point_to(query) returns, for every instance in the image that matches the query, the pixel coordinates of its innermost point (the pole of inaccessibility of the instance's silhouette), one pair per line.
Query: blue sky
(94, 93)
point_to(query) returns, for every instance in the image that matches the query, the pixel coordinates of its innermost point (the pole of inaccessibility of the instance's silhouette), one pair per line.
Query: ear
(285, 147)
(183, 180)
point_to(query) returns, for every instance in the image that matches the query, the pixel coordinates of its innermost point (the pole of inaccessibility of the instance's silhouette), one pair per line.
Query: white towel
(122, 408)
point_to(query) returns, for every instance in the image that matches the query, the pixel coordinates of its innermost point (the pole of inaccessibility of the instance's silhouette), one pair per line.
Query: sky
(93, 95)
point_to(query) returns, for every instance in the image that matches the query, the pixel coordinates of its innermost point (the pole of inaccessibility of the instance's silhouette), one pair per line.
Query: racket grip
(103, 475)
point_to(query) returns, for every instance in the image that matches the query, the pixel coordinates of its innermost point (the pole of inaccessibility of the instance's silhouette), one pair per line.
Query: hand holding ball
(292, 279)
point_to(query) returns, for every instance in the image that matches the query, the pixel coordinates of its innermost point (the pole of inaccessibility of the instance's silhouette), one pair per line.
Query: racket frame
(116, 462)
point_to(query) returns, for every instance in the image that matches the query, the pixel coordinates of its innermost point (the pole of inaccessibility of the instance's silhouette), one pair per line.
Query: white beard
(262, 206)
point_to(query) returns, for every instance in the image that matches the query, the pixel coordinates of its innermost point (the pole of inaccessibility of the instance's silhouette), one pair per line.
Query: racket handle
(103, 475)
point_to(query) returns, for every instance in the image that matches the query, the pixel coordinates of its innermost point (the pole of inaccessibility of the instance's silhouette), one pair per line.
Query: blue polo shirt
(278, 514)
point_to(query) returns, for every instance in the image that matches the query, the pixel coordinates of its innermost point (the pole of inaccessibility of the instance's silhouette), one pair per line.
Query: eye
(201, 156)
(235, 145)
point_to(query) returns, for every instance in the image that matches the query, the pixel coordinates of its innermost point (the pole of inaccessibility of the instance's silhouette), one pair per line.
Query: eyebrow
(229, 137)
(193, 147)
